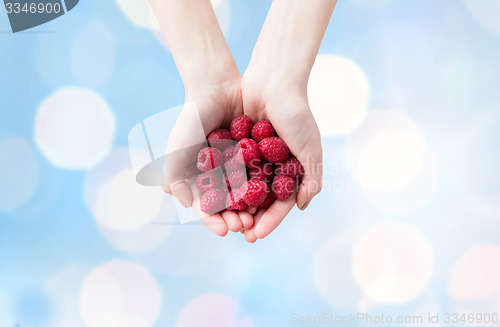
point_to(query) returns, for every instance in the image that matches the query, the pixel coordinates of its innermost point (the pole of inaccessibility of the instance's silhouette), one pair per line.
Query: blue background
(445, 77)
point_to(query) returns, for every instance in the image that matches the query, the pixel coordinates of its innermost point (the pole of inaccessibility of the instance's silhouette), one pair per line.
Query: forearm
(196, 41)
(290, 39)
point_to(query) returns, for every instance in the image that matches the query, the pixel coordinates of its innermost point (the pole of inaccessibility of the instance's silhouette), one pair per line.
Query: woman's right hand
(205, 109)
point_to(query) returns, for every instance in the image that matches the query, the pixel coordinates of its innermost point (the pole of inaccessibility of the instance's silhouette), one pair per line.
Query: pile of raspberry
(246, 166)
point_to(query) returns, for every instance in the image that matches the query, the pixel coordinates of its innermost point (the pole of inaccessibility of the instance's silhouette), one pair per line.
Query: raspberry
(213, 201)
(220, 138)
(229, 152)
(209, 159)
(208, 181)
(283, 187)
(263, 129)
(241, 127)
(263, 172)
(291, 167)
(248, 152)
(234, 201)
(254, 192)
(233, 164)
(235, 178)
(268, 201)
(274, 149)
(230, 162)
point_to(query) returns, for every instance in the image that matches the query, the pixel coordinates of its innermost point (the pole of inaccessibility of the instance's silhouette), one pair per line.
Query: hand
(285, 105)
(285, 51)
(205, 110)
(274, 87)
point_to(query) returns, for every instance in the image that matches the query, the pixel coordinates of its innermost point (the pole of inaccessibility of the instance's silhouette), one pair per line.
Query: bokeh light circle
(74, 128)
(486, 13)
(142, 15)
(392, 262)
(122, 320)
(339, 94)
(196, 257)
(19, 172)
(131, 217)
(478, 163)
(387, 152)
(119, 288)
(222, 10)
(123, 204)
(334, 281)
(64, 289)
(93, 54)
(213, 310)
(139, 13)
(392, 162)
(476, 274)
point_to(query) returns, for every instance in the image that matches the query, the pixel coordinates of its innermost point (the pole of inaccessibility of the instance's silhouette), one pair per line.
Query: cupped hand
(287, 108)
(205, 109)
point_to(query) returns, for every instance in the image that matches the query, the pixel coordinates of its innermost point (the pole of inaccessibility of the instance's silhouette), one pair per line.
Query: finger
(186, 139)
(182, 192)
(273, 216)
(166, 189)
(312, 181)
(213, 222)
(232, 220)
(246, 219)
(250, 236)
(251, 210)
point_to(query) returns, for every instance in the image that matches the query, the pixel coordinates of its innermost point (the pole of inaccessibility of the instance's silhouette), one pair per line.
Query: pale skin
(273, 87)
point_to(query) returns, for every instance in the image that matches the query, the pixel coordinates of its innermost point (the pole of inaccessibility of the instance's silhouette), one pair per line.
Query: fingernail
(304, 207)
(184, 204)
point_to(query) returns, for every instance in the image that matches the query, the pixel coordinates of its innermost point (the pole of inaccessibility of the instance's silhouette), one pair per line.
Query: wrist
(210, 74)
(271, 80)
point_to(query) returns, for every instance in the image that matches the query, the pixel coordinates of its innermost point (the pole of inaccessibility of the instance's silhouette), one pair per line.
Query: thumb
(312, 180)
(182, 192)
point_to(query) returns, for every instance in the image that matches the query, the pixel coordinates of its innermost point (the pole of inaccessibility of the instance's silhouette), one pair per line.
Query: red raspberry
(235, 178)
(220, 138)
(283, 187)
(291, 167)
(213, 201)
(231, 163)
(234, 201)
(209, 159)
(274, 149)
(208, 181)
(254, 192)
(241, 127)
(248, 152)
(229, 152)
(263, 129)
(268, 201)
(263, 172)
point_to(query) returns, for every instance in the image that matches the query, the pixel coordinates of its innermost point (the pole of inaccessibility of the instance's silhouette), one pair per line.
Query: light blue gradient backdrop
(431, 60)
